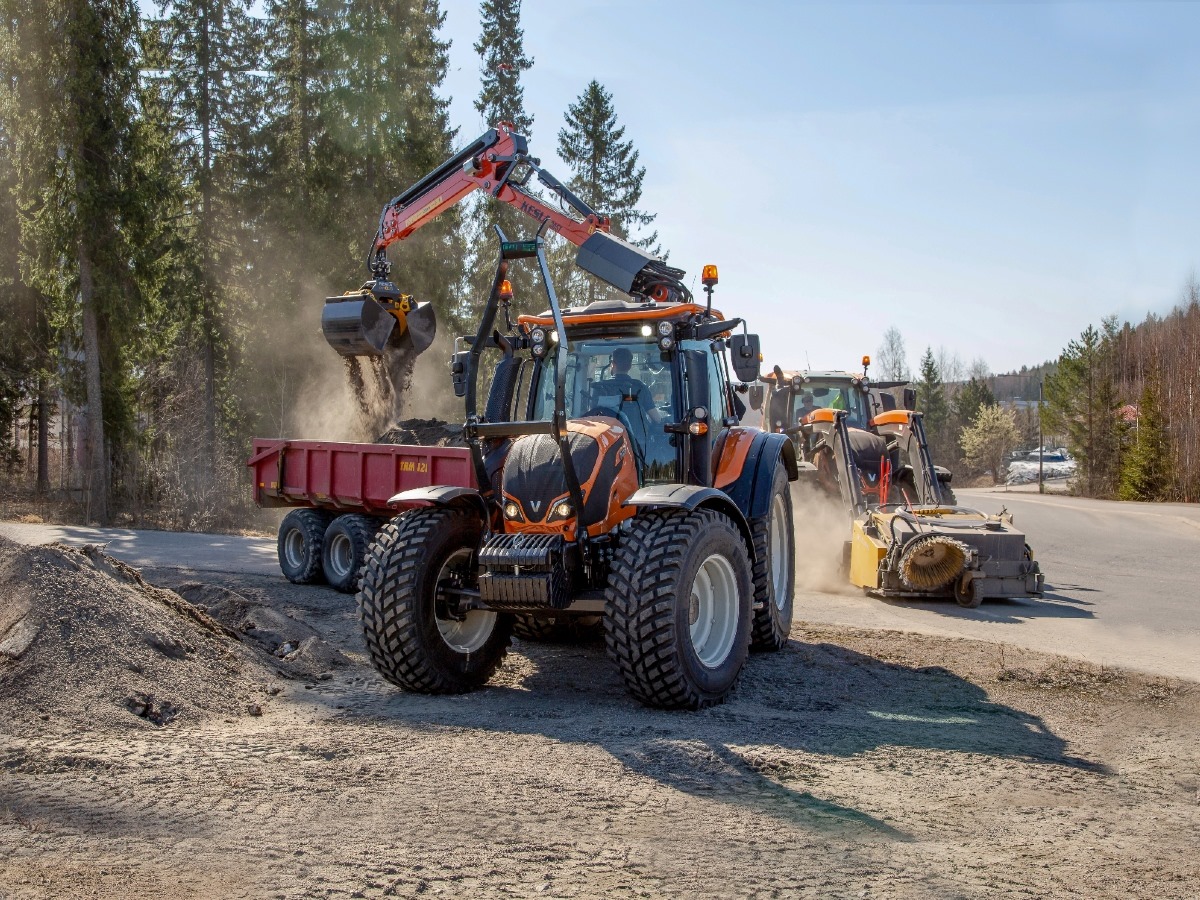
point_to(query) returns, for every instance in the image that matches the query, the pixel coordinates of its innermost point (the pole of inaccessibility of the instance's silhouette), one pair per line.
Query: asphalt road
(1122, 580)
(1123, 586)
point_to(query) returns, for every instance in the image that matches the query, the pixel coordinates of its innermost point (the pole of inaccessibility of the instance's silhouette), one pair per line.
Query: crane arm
(378, 315)
(497, 162)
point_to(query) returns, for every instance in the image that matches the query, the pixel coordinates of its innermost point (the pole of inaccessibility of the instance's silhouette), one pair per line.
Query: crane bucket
(359, 325)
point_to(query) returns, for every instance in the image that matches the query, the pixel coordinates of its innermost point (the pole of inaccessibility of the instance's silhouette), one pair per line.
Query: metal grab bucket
(359, 325)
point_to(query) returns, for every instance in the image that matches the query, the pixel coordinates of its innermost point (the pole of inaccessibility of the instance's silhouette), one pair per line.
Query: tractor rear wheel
(345, 549)
(414, 635)
(774, 568)
(678, 608)
(300, 543)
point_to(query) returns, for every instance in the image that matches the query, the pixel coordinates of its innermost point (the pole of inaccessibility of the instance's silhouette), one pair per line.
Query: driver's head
(622, 359)
(806, 399)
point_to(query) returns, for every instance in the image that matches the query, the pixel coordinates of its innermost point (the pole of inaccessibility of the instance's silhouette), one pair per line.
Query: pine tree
(1146, 470)
(501, 99)
(605, 175)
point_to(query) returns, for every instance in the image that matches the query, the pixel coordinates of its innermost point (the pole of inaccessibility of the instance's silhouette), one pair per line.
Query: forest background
(178, 192)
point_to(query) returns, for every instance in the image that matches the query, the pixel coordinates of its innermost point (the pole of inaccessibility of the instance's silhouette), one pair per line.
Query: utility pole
(1041, 442)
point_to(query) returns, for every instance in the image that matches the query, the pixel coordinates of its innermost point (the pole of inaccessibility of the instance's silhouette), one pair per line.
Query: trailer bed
(350, 477)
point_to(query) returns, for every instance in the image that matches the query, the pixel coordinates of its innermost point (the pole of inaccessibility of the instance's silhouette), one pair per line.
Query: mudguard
(438, 495)
(750, 489)
(689, 497)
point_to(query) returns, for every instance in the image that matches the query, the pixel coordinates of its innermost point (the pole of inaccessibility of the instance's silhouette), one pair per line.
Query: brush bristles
(932, 562)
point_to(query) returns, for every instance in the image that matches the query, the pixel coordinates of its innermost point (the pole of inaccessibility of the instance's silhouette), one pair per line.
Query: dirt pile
(85, 641)
(425, 432)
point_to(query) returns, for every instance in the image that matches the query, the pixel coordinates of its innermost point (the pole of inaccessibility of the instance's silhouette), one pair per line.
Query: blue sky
(987, 177)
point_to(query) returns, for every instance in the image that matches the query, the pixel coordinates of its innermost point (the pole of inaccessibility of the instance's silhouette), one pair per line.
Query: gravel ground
(853, 763)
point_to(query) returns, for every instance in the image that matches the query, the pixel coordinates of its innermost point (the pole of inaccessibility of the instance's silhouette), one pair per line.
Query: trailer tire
(674, 565)
(345, 550)
(300, 543)
(774, 568)
(410, 643)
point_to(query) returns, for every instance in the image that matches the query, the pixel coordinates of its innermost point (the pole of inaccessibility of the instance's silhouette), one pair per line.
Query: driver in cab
(805, 408)
(630, 387)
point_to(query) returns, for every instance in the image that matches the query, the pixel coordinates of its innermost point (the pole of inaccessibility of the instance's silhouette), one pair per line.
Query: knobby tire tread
(766, 634)
(386, 601)
(640, 599)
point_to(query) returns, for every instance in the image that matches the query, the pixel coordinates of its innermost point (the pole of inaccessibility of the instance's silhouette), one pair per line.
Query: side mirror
(459, 364)
(910, 398)
(757, 395)
(745, 356)
(887, 401)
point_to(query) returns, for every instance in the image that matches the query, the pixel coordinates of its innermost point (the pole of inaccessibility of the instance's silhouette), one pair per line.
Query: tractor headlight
(513, 512)
(665, 343)
(647, 331)
(538, 338)
(561, 510)
(665, 329)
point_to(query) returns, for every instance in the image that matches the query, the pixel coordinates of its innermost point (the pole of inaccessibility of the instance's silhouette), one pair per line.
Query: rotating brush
(932, 561)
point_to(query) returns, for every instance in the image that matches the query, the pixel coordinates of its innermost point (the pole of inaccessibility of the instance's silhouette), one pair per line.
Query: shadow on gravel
(754, 751)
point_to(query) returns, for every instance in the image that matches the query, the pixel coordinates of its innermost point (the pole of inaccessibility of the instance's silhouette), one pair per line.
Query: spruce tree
(605, 175)
(501, 99)
(1081, 403)
(85, 216)
(1146, 470)
(931, 400)
(970, 397)
(204, 54)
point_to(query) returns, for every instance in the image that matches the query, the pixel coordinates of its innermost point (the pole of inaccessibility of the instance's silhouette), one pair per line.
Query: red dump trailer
(339, 494)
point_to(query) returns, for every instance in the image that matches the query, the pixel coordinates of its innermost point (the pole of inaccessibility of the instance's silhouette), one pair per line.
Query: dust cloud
(308, 391)
(822, 526)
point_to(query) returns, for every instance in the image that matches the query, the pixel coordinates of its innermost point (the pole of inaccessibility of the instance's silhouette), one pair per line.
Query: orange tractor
(613, 478)
(885, 439)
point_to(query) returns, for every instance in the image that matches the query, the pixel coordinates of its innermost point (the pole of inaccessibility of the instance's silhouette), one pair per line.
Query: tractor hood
(534, 486)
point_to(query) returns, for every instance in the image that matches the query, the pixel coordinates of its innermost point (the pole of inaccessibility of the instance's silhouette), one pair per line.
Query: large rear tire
(300, 544)
(774, 568)
(678, 608)
(345, 550)
(413, 638)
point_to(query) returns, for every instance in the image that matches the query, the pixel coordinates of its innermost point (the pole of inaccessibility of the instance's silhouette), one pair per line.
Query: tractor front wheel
(678, 608)
(415, 635)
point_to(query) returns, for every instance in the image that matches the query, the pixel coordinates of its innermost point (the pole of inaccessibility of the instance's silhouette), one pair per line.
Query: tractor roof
(854, 377)
(621, 311)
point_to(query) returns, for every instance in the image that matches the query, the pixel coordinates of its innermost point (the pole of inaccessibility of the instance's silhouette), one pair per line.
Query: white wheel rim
(713, 611)
(473, 630)
(780, 551)
(341, 555)
(293, 548)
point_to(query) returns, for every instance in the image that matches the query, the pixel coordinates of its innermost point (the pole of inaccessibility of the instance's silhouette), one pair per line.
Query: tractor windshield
(625, 379)
(837, 395)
